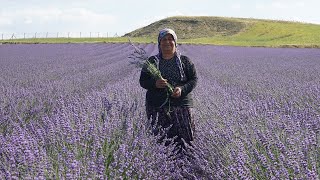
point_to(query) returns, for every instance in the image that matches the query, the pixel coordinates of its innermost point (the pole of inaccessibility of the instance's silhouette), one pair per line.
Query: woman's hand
(161, 83)
(176, 92)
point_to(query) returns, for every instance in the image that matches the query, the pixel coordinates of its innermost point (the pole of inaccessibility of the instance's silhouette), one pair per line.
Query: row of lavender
(76, 111)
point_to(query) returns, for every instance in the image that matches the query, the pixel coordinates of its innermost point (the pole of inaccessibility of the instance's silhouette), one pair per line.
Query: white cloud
(27, 20)
(77, 17)
(84, 15)
(5, 22)
(4, 19)
(148, 20)
(236, 6)
(285, 4)
(260, 6)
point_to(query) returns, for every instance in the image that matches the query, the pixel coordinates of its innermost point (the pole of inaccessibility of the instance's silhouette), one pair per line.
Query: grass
(269, 34)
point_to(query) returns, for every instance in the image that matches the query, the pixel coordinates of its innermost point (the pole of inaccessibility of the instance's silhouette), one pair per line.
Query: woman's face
(167, 45)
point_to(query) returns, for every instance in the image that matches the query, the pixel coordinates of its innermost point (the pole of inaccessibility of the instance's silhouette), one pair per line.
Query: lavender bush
(76, 111)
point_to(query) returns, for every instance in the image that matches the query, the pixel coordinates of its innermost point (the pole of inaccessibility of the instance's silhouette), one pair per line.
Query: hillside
(193, 27)
(235, 31)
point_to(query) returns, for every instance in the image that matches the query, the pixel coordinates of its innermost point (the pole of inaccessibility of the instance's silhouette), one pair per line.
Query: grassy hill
(236, 31)
(193, 27)
(215, 30)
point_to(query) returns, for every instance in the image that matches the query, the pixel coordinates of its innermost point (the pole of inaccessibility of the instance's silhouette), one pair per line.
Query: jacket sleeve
(146, 80)
(191, 75)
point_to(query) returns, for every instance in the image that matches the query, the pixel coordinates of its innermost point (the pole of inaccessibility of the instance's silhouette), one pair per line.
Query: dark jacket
(156, 97)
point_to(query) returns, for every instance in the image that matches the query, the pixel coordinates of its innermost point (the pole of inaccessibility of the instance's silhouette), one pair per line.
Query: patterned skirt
(174, 123)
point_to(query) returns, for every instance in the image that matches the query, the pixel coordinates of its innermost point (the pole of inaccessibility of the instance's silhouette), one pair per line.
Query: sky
(117, 17)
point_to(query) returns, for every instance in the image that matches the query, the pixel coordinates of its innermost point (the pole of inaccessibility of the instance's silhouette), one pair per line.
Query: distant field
(76, 111)
(213, 30)
(73, 40)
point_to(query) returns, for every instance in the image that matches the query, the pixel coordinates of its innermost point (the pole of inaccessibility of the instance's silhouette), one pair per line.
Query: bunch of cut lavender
(140, 59)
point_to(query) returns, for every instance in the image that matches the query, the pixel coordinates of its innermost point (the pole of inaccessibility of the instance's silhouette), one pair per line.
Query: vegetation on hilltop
(193, 27)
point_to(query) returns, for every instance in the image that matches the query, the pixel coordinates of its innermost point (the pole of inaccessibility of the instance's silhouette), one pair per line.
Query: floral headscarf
(177, 54)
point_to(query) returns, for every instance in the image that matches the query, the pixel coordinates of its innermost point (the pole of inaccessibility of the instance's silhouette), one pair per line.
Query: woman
(170, 112)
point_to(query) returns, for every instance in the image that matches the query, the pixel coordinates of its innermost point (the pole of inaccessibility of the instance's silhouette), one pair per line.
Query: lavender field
(76, 111)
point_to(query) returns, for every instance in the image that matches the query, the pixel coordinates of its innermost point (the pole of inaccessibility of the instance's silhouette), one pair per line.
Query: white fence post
(12, 36)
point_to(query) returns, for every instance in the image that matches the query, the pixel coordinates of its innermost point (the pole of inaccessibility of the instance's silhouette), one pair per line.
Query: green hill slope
(236, 31)
(193, 27)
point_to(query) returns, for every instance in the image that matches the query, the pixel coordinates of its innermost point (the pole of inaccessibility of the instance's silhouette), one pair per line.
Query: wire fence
(11, 36)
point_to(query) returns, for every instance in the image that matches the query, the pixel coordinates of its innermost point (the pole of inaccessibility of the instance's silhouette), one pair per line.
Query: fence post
(90, 34)
(80, 34)
(35, 35)
(57, 34)
(68, 34)
(2, 36)
(47, 35)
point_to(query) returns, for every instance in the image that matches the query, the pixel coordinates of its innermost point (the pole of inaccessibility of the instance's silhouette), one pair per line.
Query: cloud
(84, 15)
(5, 22)
(67, 19)
(27, 20)
(285, 4)
(236, 6)
(260, 6)
(4, 19)
(151, 19)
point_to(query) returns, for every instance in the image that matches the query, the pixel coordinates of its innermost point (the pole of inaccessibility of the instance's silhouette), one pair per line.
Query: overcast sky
(123, 16)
